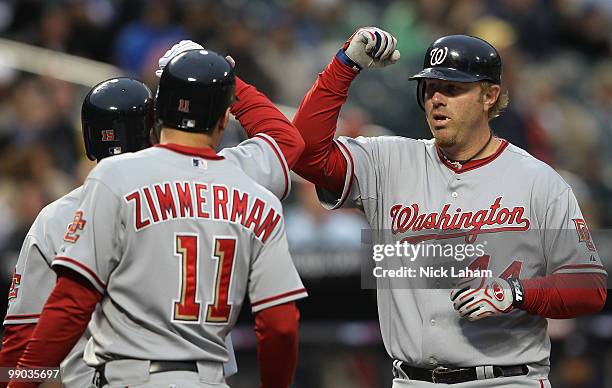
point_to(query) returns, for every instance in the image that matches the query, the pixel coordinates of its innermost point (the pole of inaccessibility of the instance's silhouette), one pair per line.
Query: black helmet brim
(449, 74)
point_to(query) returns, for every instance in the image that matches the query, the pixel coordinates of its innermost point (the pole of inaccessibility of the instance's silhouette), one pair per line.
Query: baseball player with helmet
(170, 240)
(117, 117)
(468, 183)
(106, 132)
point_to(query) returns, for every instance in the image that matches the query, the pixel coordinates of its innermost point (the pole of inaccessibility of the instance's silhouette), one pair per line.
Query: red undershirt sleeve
(322, 162)
(565, 295)
(257, 114)
(277, 344)
(61, 324)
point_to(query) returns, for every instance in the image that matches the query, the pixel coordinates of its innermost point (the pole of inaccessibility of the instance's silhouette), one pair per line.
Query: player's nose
(438, 99)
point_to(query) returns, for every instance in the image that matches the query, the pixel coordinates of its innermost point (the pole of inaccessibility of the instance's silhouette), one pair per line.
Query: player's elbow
(278, 324)
(600, 300)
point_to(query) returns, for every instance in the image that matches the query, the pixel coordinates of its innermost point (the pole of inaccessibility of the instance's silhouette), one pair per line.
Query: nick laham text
(431, 272)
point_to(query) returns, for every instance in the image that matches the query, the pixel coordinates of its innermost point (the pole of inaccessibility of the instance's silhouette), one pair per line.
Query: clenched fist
(369, 47)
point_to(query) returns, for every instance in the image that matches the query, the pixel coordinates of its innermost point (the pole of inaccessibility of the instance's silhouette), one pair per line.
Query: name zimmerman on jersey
(405, 218)
(197, 200)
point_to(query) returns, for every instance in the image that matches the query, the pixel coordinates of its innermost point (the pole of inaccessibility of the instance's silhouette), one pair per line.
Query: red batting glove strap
(277, 339)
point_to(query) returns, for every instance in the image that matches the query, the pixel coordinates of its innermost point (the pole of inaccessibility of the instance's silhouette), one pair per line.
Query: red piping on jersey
(282, 162)
(541, 383)
(21, 317)
(202, 152)
(350, 182)
(579, 266)
(472, 164)
(279, 296)
(84, 268)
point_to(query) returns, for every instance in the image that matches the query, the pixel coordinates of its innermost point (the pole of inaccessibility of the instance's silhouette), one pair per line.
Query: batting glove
(477, 298)
(180, 47)
(369, 47)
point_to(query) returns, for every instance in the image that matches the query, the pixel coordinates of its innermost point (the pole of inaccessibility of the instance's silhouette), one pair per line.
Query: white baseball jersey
(407, 188)
(175, 238)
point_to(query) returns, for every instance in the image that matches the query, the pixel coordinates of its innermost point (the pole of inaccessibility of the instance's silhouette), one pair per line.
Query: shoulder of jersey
(539, 170)
(400, 141)
(111, 166)
(55, 217)
(62, 207)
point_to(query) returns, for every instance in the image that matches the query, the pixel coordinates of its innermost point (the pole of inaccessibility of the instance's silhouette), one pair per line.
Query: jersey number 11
(187, 308)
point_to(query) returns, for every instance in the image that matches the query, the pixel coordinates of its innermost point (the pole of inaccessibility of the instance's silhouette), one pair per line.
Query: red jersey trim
(347, 185)
(579, 266)
(83, 267)
(472, 164)
(281, 159)
(18, 317)
(279, 296)
(202, 152)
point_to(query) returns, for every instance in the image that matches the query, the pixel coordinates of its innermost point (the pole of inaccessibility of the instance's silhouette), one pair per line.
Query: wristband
(518, 294)
(342, 57)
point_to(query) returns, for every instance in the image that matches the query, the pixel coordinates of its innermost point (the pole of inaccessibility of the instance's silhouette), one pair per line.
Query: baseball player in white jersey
(170, 240)
(468, 185)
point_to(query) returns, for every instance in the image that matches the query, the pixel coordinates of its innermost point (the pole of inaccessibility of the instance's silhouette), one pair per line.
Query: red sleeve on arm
(257, 114)
(14, 343)
(565, 295)
(61, 324)
(277, 338)
(322, 162)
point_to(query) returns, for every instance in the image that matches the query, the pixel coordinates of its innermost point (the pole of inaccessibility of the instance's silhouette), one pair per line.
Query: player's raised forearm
(322, 162)
(277, 338)
(62, 322)
(257, 114)
(565, 295)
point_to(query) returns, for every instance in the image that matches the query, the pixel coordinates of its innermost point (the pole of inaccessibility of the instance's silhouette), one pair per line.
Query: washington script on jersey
(467, 223)
(193, 200)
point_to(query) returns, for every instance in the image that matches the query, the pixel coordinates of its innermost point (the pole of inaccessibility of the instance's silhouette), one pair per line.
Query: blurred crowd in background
(557, 58)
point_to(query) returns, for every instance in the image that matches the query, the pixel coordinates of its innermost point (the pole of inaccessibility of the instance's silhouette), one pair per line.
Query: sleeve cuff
(278, 299)
(82, 270)
(281, 158)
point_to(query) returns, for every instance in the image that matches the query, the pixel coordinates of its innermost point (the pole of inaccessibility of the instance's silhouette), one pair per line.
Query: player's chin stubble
(445, 137)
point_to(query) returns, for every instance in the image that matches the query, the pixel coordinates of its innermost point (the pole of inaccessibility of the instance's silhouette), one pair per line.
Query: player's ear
(225, 118)
(490, 94)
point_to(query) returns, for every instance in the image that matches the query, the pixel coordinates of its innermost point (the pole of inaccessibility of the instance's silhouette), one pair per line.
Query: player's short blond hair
(502, 101)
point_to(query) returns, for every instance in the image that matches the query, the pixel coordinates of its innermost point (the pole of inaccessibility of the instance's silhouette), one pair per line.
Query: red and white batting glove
(369, 47)
(477, 298)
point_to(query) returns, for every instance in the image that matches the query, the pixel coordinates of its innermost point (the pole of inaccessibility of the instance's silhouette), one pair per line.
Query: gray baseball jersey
(260, 158)
(175, 237)
(408, 188)
(34, 280)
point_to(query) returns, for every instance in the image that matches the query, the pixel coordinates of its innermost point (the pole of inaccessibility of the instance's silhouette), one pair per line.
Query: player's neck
(480, 147)
(188, 139)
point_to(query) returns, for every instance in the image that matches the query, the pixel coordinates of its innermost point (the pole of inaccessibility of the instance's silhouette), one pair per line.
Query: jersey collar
(206, 153)
(472, 164)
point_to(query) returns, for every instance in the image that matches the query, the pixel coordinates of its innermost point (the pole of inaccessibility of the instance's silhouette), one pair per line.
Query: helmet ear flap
(420, 93)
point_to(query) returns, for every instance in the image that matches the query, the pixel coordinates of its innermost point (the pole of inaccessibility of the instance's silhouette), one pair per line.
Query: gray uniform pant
(501, 382)
(135, 374)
